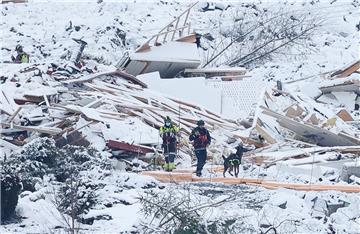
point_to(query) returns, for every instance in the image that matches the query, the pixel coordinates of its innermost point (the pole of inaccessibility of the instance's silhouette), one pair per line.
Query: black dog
(232, 163)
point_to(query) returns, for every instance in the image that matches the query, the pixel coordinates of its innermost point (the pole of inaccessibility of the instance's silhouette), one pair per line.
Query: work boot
(172, 166)
(166, 166)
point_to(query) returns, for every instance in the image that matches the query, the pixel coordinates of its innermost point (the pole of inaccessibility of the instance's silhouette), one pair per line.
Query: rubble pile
(303, 135)
(62, 108)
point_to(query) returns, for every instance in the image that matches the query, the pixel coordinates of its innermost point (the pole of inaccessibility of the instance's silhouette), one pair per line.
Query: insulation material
(239, 98)
(346, 98)
(329, 98)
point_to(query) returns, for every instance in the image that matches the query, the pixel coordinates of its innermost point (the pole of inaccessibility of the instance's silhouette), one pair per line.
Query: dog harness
(234, 161)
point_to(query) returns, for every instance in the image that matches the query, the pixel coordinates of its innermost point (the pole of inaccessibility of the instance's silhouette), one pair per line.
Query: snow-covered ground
(46, 29)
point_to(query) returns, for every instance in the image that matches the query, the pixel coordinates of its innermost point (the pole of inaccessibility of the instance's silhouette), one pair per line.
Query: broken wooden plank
(8, 145)
(267, 136)
(89, 77)
(129, 147)
(40, 129)
(8, 105)
(171, 177)
(131, 78)
(114, 72)
(347, 70)
(83, 126)
(14, 115)
(319, 135)
(345, 86)
(277, 156)
(344, 115)
(149, 120)
(72, 138)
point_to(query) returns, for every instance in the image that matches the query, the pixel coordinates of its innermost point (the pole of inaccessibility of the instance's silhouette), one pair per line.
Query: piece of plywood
(344, 115)
(294, 111)
(346, 99)
(313, 119)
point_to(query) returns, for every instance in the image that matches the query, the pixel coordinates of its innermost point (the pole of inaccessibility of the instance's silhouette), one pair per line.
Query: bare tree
(176, 209)
(259, 35)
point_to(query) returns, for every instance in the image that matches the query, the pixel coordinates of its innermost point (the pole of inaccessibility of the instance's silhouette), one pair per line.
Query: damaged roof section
(170, 51)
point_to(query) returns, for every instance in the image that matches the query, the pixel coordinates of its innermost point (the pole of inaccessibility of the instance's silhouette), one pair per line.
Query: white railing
(180, 25)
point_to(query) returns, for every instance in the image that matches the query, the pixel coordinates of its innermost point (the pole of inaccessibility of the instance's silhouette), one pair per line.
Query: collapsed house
(303, 167)
(88, 108)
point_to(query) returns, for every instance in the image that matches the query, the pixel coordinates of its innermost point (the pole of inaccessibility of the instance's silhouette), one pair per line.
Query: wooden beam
(171, 177)
(321, 136)
(46, 130)
(118, 73)
(347, 71)
(265, 134)
(129, 147)
(14, 115)
(8, 145)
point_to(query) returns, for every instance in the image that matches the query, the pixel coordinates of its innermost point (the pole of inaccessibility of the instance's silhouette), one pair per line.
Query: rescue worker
(169, 132)
(21, 56)
(201, 138)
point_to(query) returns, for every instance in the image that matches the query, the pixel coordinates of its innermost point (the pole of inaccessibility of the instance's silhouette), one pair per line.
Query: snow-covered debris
(86, 104)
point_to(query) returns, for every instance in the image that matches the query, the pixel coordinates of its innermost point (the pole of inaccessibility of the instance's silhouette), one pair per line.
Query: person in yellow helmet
(21, 56)
(169, 132)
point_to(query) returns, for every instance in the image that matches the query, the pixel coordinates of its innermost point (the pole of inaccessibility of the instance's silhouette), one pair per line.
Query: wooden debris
(72, 138)
(319, 135)
(346, 86)
(153, 55)
(344, 115)
(177, 177)
(294, 111)
(265, 134)
(172, 28)
(14, 115)
(169, 177)
(270, 158)
(7, 145)
(7, 104)
(129, 147)
(347, 71)
(231, 72)
(118, 73)
(313, 119)
(46, 130)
